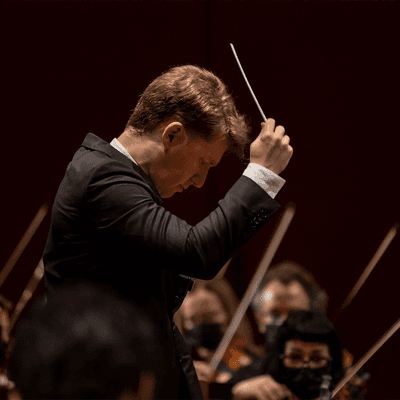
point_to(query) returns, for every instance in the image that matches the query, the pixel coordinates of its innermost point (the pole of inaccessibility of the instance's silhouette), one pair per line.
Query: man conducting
(108, 225)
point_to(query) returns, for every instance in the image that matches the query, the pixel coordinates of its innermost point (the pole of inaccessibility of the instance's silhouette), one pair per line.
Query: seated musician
(286, 287)
(205, 315)
(307, 348)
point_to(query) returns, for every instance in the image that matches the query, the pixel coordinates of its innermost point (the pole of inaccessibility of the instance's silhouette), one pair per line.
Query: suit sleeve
(122, 207)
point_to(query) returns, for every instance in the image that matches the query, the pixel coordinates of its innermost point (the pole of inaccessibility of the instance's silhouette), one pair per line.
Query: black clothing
(108, 227)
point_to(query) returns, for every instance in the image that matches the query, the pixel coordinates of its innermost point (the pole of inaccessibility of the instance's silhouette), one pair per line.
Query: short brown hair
(196, 98)
(288, 271)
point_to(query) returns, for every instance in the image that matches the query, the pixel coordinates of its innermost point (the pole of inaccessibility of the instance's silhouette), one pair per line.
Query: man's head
(307, 347)
(86, 343)
(191, 120)
(285, 287)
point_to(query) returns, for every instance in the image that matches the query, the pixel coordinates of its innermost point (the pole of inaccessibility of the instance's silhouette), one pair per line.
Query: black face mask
(205, 335)
(305, 383)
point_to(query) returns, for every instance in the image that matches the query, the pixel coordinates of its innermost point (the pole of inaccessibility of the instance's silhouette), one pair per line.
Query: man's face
(187, 164)
(278, 299)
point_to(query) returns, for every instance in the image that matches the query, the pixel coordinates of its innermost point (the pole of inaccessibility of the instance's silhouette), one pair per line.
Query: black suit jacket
(108, 226)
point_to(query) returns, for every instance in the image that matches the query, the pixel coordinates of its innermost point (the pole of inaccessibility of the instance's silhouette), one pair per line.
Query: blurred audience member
(86, 344)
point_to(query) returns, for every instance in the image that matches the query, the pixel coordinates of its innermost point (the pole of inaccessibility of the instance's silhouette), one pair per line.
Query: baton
(248, 84)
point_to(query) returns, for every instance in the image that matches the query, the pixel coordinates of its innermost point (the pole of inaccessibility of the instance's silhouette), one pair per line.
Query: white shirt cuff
(268, 180)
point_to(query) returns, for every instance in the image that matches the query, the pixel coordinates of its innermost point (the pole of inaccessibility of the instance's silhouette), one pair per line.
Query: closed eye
(210, 163)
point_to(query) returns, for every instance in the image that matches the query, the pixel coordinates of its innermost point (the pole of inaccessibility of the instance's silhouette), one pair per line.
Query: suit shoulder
(88, 164)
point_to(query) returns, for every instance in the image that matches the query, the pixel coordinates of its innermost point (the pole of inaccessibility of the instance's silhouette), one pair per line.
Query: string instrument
(236, 356)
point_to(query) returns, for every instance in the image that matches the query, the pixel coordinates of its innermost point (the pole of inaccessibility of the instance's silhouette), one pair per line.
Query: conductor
(108, 225)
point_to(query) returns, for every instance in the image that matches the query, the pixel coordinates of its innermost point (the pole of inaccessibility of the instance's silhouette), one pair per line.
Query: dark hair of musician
(289, 271)
(309, 326)
(199, 100)
(84, 344)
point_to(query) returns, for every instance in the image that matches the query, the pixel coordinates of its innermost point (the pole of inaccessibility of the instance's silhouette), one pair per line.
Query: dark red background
(328, 72)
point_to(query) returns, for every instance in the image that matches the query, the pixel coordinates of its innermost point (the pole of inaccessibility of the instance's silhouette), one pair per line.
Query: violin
(215, 384)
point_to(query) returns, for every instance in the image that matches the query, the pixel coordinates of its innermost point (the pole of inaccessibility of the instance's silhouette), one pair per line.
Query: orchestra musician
(108, 225)
(206, 313)
(285, 287)
(306, 349)
(289, 286)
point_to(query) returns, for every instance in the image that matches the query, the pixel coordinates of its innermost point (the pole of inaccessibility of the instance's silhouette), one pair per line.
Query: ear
(174, 134)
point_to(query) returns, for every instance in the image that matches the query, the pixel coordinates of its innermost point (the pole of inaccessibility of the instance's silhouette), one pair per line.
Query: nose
(200, 177)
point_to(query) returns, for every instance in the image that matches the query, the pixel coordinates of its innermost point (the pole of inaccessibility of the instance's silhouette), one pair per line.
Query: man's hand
(262, 387)
(271, 149)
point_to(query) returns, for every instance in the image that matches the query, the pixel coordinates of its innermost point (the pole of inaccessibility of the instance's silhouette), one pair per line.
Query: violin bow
(27, 236)
(368, 269)
(367, 356)
(248, 84)
(378, 254)
(27, 293)
(251, 290)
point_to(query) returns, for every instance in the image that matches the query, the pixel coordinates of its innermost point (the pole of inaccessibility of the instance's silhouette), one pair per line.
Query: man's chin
(170, 192)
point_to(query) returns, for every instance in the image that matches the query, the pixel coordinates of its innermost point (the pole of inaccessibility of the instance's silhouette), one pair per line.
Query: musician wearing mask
(206, 313)
(305, 362)
(288, 286)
